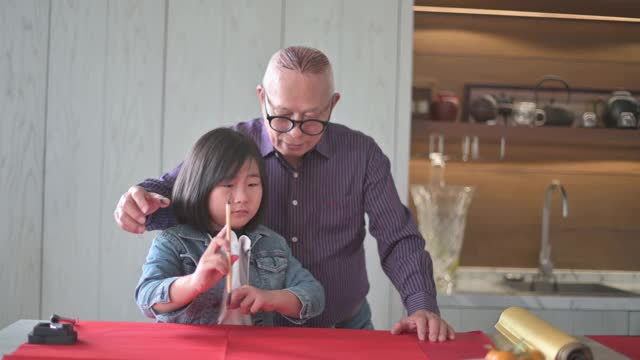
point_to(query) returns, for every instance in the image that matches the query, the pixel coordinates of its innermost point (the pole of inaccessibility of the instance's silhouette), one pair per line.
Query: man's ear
(259, 91)
(336, 98)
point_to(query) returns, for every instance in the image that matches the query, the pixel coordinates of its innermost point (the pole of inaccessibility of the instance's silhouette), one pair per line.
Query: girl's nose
(239, 196)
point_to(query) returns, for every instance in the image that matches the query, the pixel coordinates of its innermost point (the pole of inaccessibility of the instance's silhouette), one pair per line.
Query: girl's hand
(212, 266)
(251, 300)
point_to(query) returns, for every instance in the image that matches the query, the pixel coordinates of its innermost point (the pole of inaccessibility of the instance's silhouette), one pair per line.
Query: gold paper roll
(519, 326)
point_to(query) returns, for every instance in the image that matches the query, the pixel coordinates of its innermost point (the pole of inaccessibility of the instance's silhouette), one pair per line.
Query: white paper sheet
(239, 277)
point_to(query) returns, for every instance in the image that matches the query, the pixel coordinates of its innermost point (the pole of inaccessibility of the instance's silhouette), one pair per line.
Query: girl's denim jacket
(176, 252)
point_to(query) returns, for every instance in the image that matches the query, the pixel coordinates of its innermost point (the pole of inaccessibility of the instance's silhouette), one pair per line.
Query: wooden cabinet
(600, 169)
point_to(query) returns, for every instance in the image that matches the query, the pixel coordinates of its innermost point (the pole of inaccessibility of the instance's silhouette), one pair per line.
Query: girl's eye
(254, 184)
(227, 185)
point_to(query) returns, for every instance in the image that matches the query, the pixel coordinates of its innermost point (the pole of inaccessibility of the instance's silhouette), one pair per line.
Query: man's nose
(296, 131)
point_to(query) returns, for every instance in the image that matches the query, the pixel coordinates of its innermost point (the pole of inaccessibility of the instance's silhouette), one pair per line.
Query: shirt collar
(326, 146)
(266, 147)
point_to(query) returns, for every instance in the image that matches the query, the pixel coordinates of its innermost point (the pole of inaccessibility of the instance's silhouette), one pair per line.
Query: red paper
(119, 340)
(469, 345)
(627, 345)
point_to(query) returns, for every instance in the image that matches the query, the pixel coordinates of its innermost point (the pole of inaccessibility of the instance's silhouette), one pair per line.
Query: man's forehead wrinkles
(283, 107)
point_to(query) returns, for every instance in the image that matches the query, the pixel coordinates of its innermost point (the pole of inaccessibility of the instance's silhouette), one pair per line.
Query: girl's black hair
(217, 156)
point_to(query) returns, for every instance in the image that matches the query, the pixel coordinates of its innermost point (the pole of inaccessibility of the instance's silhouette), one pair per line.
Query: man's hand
(422, 322)
(134, 206)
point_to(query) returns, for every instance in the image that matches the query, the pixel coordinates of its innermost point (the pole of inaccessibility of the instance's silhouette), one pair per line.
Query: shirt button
(294, 239)
(295, 202)
(295, 175)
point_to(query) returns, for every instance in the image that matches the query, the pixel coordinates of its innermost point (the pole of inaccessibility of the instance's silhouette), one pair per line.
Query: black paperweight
(53, 334)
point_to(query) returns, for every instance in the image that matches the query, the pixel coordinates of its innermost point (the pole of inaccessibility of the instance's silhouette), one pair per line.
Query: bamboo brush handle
(228, 237)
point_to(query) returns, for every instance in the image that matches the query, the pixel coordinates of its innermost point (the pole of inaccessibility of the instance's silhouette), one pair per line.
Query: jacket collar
(188, 232)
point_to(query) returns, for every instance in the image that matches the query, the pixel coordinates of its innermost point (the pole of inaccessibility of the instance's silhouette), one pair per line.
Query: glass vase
(442, 214)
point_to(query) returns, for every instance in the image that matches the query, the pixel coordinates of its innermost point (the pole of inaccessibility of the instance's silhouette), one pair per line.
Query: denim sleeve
(160, 270)
(400, 244)
(162, 218)
(309, 290)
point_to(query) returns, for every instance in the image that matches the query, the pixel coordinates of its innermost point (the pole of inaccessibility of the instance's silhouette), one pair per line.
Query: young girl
(183, 278)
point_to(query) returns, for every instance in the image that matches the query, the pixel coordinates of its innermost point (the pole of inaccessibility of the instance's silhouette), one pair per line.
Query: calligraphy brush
(228, 237)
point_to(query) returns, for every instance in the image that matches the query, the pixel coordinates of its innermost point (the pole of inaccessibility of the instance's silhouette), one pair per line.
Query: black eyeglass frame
(293, 122)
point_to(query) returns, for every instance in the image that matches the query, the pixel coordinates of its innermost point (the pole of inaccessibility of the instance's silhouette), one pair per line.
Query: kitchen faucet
(545, 269)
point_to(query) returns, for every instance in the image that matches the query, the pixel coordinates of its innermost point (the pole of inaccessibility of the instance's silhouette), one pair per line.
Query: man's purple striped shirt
(319, 208)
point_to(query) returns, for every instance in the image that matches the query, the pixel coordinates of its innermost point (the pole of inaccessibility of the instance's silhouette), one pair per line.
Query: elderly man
(322, 179)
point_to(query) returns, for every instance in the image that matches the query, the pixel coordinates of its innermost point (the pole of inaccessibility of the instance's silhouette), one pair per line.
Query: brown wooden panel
(600, 169)
(453, 72)
(623, 8)
(453, 50)
(526, 38)
(532, 157)
(504, 220)
(594, 138)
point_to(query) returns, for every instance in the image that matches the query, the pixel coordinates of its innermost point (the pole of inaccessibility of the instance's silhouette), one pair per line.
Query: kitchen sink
(566, 288)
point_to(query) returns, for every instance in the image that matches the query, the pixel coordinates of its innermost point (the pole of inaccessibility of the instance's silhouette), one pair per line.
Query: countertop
(483, 287)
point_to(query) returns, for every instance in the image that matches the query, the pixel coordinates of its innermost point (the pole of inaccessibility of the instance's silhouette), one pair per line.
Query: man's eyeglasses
(284, 124)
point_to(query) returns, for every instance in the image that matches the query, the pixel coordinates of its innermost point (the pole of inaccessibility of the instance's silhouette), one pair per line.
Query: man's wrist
(422, 301)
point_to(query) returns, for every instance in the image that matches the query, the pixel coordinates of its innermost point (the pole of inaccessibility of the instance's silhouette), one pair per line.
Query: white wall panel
(318, 24)
(193, 95)
(478, 319)
(367, 67)
(400, 161)
(216, 54)
(23, 49)
(132, 141)
(132, 85)
(252, 34)
(74, 180)
(361, 39)
(634, 323)
(600, 322)
(453, 317)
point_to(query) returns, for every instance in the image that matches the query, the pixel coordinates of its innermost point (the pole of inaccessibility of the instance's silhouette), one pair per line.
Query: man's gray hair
(306, 60)
(302, 59)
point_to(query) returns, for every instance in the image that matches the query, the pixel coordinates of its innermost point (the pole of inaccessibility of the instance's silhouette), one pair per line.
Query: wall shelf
(420, 130)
